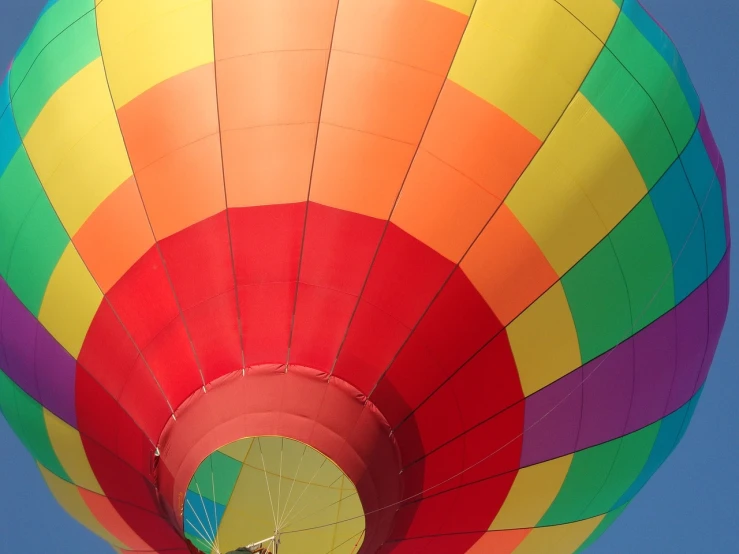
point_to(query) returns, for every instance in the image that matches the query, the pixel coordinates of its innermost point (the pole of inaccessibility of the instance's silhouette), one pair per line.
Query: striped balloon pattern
(473, 252)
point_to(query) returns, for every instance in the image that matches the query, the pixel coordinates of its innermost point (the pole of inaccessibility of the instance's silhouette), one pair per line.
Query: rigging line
(205, 510)
(335, 548)
(204, 539)
(210, 542)
(266, 479)
(290, 492)
(310, 184)
(361, 536)
(215, 504)
(629, 332)
(287, 517)
(279, 485)
(333, 503)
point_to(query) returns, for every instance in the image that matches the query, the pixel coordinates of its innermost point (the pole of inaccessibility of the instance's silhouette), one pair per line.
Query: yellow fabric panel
(69, 498)
(597, 15)
(533, 491)
(461, 6)
(238, 450)
(68, 447)
(144, 42)
(558, 539)
(76, 147)
(70, 302)
(579, 186)
(527, 58)
(301, 483)
(544, 341)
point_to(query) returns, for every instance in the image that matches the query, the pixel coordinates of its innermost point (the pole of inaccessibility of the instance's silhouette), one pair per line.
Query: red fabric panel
(405, 276)
(456, 326)
(266, 242)
(108, 352)
(266, 315)
(214, 329)
(198, 259)
(143, 298)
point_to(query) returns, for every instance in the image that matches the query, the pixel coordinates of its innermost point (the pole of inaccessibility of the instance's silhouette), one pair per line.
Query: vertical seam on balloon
(417, 498)
(492, 216)
(14, 391)
(678, 158)
(79, 365)
(310, 182)
(153, 234)
(105, 295)
(388, 222)
(603, 355)
(225, 189)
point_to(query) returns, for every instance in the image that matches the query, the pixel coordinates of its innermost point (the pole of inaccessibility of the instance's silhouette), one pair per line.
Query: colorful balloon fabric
(439, 276)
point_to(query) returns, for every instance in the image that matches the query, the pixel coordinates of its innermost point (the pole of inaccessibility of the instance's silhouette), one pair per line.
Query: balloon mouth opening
(272, 493)
(296, 459)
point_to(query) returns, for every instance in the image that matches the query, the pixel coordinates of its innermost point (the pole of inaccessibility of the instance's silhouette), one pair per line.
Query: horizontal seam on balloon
(156, 245)
(539, 463)
(550, 287)
(523, 400)
(78, 364)
(310, 185)
(411, 163)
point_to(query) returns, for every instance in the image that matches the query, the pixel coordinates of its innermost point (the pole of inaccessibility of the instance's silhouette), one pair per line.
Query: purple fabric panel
(709, 142)
(692, 334)
(55, 369)
(18, 330)
(607, 391)
(718, 306)
(556, 434)
(655, 352)
(3, 289)
(34, 360)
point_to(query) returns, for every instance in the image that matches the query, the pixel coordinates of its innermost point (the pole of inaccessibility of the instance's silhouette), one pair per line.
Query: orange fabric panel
(359, 172)
(499, 542)
(183, 188)
(442, 208)
(417, 33)
(115, 235)
(479, 140)
(112, 521)
(175, 113)
(243, 28)
(171, 133)
(379, 96)
(268, 165)
(273, 88)
(507, 267)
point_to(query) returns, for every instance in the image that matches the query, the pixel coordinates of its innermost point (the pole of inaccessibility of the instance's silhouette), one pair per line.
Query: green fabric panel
(588, 471)
(40, 243)
(631, 458)
(689, 416)
(19, 191)
(619, 3)
(602, 528)
(644, 256)
(64, 41)
(220, 471)
(28, 423)
(628, 109)
(650, 69)
(600, 305)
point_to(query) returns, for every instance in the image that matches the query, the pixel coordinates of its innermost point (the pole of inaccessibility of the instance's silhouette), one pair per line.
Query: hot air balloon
(354, 276)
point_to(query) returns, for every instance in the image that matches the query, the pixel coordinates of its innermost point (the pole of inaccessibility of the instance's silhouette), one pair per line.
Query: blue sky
(690, 507)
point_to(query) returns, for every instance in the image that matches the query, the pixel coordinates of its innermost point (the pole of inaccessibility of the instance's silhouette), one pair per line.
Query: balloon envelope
(404, 276)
